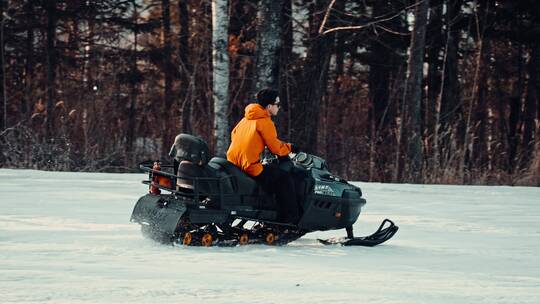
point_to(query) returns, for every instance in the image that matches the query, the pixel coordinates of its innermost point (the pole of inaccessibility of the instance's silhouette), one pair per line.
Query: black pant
(275, 180)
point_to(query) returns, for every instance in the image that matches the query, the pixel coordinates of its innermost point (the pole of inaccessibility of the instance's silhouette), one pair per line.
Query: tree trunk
(412, 96)
(130, 138)
(435, 42)
(466, 157)
(51, 65)
(3, 68)
(168, 110)
(379, 85)
(514, 116)
(435, 166)
(29, 60)
(450, 103)
(186, 69)
(305, 115)
(480, 127)
(285, 56)
(220, 59)
(338, 48)
(333, 137)
(531, 100)
(166, 27)
(268, 44)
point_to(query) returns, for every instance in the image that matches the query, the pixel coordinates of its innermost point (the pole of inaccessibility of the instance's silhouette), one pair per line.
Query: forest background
(426, 91)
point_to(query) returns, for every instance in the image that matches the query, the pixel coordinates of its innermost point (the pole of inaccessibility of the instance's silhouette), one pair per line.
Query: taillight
(155, 179)
(164, 181)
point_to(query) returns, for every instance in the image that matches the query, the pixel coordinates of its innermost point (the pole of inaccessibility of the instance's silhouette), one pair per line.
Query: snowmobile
(201, 200)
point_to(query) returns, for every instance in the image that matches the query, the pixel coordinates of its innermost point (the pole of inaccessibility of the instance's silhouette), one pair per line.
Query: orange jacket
(249, 137)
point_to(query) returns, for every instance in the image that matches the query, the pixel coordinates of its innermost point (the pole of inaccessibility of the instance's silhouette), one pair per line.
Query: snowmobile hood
(255, 111)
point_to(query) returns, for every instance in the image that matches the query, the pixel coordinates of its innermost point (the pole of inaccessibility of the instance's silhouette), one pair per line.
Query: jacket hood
(255, 111)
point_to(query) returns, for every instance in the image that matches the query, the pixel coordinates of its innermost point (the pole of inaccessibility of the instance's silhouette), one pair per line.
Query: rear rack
(197, 193)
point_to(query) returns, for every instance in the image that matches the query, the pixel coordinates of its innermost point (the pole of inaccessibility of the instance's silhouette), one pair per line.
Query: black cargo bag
(190, 148)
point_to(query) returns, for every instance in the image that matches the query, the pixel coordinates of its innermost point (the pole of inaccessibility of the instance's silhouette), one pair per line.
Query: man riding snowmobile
(248, 139)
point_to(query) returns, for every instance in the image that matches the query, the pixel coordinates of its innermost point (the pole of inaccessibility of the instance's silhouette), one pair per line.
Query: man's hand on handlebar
(295, 148)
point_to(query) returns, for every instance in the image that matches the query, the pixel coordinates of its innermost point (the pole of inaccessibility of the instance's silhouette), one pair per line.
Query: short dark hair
(266, 97)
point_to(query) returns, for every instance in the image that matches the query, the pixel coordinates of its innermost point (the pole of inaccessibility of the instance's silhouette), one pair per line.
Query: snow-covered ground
(66, 238)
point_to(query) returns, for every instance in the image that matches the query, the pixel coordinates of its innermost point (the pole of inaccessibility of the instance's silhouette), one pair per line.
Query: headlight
(324, 190)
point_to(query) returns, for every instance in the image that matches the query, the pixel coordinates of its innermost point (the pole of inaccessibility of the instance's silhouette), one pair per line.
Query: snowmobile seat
(245, 185)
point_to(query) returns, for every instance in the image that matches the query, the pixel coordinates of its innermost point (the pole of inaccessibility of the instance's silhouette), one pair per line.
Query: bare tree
(467, 150)
(3, 67)
(29, 60)
(51, 63)
(313, 80)
(132, 119)
(530, 107)
(220, 60)
(268, 44)
(186, 68)
(412, 98)
(168, 133)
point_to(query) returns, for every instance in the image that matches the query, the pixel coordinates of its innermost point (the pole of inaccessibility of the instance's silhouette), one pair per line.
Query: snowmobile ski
(378, 237)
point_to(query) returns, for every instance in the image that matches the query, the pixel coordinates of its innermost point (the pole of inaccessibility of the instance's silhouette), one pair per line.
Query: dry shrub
(22, 147)
(531, 176)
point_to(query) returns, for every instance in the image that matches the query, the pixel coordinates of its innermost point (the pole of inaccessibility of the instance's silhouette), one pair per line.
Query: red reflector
(164, 182)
